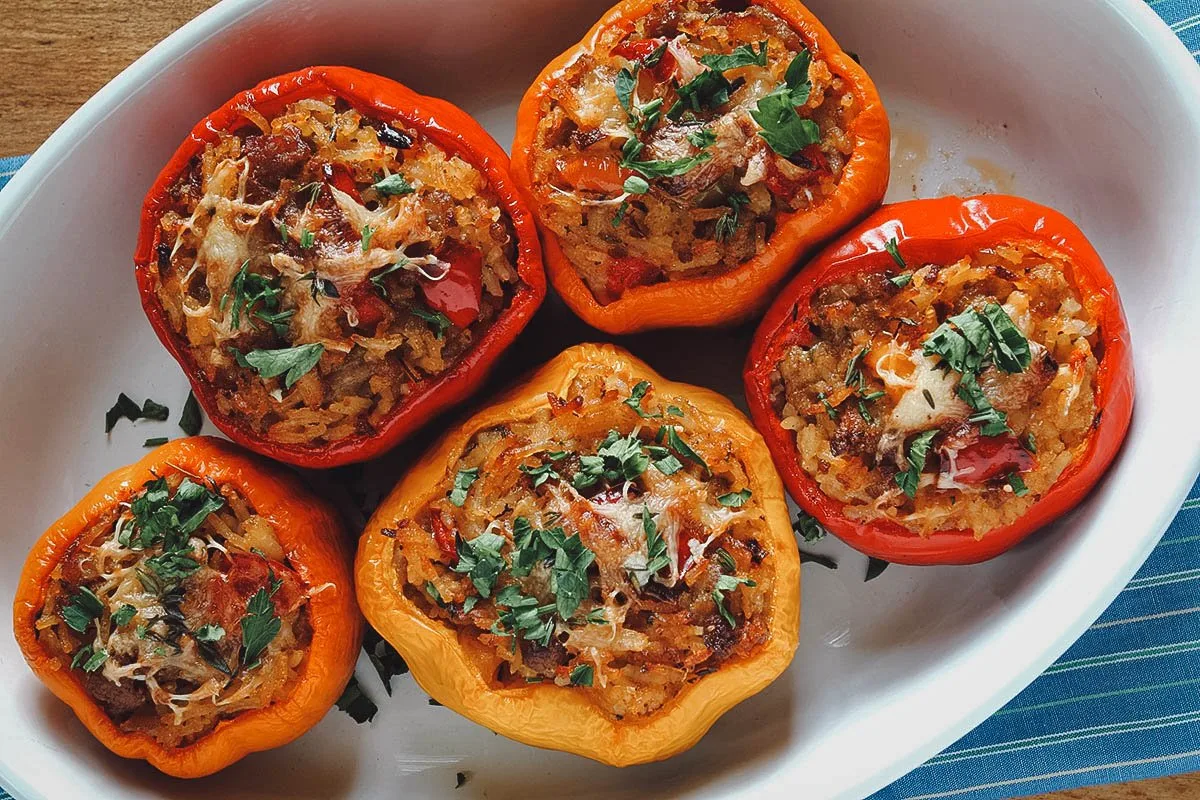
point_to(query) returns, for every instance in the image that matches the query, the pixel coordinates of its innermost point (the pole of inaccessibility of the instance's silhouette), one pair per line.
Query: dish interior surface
(1088, 107)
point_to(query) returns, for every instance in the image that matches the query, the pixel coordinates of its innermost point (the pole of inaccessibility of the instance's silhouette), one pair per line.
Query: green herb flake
(480, 559)
(122, 616)
(356, 703)
(702, 138)
(307, 239)
(367, 233)
(377, 279)
(670, 435)
(436, 320)
(393, 185)
(259, 627)
(82, 609)
(734, 499)
(210, 633)
(634, 401)
(728, 583)
(918, 450)
(807, 527)
(462, 484)
(1018, 484)
(190, 421)
(155, 441)
(875, 568)
(893, 249)
(655, 168)
(901, 280)
(582, 675)
(291, 362)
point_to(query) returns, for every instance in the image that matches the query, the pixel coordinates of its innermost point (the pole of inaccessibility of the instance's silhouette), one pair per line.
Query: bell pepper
(941, 231)
(447, 126)
(313, 542)
(460, 673)
(737, 294)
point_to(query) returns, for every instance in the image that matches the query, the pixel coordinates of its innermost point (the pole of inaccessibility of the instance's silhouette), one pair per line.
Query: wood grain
(54, 54)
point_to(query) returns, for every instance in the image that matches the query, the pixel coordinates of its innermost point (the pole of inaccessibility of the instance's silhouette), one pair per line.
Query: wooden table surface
(54, 54)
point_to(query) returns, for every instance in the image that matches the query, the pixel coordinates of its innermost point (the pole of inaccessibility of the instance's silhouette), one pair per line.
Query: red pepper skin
(459, 294)
(380, 98)
(941, 231)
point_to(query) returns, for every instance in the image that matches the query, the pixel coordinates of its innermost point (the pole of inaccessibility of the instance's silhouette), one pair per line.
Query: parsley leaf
(528, 547)
(781, 126)
(702, 138)
(807, 527)
(259, 627)
(1018, 484)
(190, 420)
(291, 362)
(568, 575)
(481, 560)
(875, 568)
(210, 633)
(83, 608)
(435, 319)
(619, 458)
(727, 583)
(462, 484)
(123, 615)
(582, 675)
(917, 452)
(367, 232)
(539, 474)
(91, 660)
(742, 56)
(670, 434)
(893, 249)
(356, 703)
(393, 185)
(383, 657)
(734, 499)
(125, 408)
(634, 401)
(727, 223)
(658, 169)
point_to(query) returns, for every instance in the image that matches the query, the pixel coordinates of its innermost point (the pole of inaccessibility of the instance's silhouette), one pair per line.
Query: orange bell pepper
(941, 231)
(736, 294)
(313, 542)
(459, 672)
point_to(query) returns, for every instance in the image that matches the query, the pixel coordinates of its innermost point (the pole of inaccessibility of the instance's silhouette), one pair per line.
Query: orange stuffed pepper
(601, 562)
(686, 153)
(192, 608)
(946, 379)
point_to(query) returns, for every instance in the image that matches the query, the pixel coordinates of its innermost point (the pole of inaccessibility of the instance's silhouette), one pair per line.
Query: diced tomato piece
(368, 305)
(625, 273)
(810, 158)
(593, 173)
(980, 459)
(340, 176)
(459, 294)
(638, 49)
(443, 535)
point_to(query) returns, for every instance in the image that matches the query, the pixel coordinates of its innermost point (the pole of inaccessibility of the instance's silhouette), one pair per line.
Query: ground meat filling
(178, 610)
(649, 155)
(591, 547)
(322, 264)
(944, 397)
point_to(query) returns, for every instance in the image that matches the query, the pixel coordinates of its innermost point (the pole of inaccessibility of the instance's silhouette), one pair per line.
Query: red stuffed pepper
(946, 379)
(334, 259)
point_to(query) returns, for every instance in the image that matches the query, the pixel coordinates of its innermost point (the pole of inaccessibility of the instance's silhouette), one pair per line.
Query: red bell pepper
(459, 293)
(942, 231)
(447, 126)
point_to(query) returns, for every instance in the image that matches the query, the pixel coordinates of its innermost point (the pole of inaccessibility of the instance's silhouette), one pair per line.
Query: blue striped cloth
(1123, 703)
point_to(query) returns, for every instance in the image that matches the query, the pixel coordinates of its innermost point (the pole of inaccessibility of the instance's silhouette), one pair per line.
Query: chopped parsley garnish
(539, 474)
(125, 408)
(728, 565)
(781, 126)
(519, 614)
(367, 233)
(247, 290)
(634, 401)
(875, 568)
(356, 703)
(82, 610)
(209, 633)
(636, 185)
(702, 138)
(727, 583)
(656, 552)
(901, 280)
(90, 660)
(893, 249)
(670, 435)
(727, 223)
(259, 627)
(462, 484)
(830, 411)
(530, 546)
(123, 615)
(675, 411)
(618, 459)
(383, 657)
(664, 460)
(291, 362)
(434, 594)
(909, 479)
(1018, 485)
(320, 286)
(854, 375)
(307, 239)
(658, 169)
(568, 575)
(393, 185)
(1029, 443)
(807, 527)
(155, 441)
(190, 421)
(734, 499)
(480, 559)
(582, 675)
(711, 89)
(435, 319)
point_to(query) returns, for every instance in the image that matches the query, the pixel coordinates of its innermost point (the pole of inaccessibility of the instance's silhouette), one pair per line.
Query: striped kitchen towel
(1123, 703)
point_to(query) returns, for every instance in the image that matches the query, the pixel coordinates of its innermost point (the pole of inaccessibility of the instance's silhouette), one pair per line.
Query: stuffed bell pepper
(333, 259)
(601, 562)
(946, 379)
(192, 608)
(686, 153)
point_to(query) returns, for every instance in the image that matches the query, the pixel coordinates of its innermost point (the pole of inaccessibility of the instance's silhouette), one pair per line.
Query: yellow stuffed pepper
(601, 562)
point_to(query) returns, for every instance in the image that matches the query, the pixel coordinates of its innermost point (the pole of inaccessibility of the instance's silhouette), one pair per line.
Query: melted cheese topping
(162, 644)
(854, 432)
(326, 229)
(647, 620)
(685, 226)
